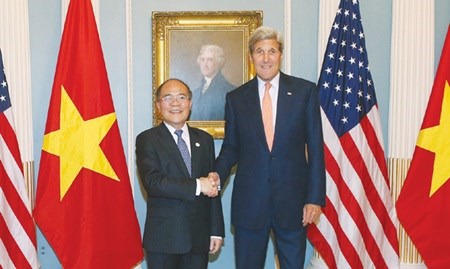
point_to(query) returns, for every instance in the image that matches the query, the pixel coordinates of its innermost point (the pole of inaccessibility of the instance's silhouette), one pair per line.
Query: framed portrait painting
(208, 51)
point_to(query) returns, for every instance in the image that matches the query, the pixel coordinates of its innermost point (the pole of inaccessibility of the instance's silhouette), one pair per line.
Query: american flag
(359, 226)
(17, 230)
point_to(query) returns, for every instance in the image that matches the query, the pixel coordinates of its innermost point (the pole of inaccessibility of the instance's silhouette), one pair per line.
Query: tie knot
(178, 132)
(267, 86)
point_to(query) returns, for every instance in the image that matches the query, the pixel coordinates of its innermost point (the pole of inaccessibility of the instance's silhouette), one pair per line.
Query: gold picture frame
(176, 41)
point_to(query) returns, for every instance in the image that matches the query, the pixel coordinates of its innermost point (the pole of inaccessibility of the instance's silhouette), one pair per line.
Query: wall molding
(15, 46)
(412, 72)
(327, 14)
(287, 36)
(130, 93)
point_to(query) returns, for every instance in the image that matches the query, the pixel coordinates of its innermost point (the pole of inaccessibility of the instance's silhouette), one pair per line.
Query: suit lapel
(195, 151)
(253, 105)
(167, 141)
(284, 107)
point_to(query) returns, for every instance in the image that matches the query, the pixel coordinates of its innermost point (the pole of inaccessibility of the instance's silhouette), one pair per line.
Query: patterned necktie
(184, 150)
(267, 115)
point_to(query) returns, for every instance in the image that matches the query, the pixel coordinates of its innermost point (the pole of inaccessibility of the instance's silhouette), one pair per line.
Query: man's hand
(214, 245)
(311, 213)
(215, 179)
(207, 187)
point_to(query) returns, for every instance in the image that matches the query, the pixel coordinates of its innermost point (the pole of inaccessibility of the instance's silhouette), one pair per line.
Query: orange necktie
(267, 115)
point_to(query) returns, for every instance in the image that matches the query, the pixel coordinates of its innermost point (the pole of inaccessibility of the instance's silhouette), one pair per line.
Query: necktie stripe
(182, 146)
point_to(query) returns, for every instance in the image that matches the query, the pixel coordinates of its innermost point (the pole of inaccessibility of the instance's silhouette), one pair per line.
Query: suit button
(272, 157)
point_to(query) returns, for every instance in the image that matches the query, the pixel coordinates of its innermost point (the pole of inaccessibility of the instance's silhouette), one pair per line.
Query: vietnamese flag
(423, 206)
(84, 202)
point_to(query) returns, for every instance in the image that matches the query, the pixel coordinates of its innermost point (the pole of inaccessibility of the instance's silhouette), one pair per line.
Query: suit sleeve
(316, 181)
(228, 155)
(217, 222)
(155, 180)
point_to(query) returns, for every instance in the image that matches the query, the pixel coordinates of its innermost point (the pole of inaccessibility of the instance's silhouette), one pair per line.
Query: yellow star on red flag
(77, 143)
(436, 139)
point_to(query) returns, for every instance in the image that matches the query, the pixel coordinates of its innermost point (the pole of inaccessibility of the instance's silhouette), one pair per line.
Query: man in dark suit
(273, 133)
(183, 224)
(209, 98)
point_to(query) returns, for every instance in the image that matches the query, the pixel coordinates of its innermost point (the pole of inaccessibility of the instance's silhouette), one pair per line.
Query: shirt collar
(172, 130)
(275, 82)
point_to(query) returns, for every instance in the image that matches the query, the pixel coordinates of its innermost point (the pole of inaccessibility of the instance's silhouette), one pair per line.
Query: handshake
(210, 186)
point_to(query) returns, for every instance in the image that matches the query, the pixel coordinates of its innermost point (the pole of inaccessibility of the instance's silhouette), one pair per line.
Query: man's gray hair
(264, 33)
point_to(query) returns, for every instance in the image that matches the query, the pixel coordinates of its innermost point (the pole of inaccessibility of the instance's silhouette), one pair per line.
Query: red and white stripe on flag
(359, 224)
(17, 230)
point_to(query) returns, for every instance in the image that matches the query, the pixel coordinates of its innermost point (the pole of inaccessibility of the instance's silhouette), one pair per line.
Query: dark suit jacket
(177, 220)
(211, 104)
(283, 180)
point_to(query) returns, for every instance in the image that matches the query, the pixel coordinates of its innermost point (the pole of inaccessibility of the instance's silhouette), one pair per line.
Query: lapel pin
(289, 93)
(197, 145)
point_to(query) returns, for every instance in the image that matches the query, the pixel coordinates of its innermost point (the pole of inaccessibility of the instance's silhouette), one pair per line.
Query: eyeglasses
(168, 99)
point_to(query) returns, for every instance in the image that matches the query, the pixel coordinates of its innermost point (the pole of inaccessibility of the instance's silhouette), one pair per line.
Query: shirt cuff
(199, 188)
(216, 237)
(218, 185)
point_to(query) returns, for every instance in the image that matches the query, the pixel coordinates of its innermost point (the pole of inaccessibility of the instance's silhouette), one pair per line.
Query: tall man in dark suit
(183, 224)
(273, 133)
(209, 98)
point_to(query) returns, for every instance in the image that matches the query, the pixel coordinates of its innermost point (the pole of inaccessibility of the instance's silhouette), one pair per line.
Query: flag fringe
(398, 168)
